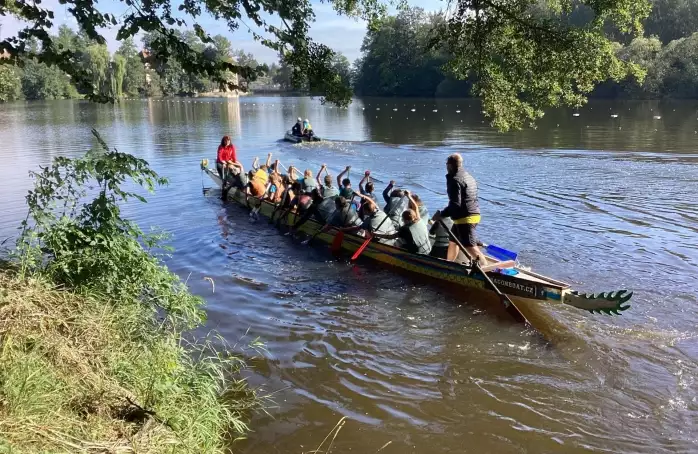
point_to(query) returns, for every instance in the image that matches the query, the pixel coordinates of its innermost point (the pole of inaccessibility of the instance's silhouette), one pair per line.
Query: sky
(340, 33)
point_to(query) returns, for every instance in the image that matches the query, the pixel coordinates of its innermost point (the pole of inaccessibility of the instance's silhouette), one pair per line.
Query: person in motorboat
(226, 153)
(297, 129)
(463, 206)
(307, 129)
(413, 235)
(326, 188)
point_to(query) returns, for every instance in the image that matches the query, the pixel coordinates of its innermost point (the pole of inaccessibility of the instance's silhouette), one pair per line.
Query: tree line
(404, 57)
(129, 72)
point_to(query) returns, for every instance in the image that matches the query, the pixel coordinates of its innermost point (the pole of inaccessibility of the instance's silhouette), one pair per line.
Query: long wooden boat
(535, 295)
(297, 139)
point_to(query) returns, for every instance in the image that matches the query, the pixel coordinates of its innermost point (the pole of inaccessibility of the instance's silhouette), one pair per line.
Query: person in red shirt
(226, 153)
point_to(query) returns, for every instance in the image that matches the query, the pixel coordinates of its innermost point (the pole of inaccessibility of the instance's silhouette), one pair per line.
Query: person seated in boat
(367, 189)
(235, 175)
(395, 203)
(276, 185)
(375, 221)
(463, 206)
(307, 129)
(226, 153)
(442, 247)
(297, 129)
(307, 181)
(344, 184)
(344, 215)
(320, 209)
(259, 180)
(423, 210)
(413, 235)
(326, 188)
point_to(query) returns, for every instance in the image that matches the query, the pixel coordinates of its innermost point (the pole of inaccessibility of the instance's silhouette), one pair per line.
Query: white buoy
(378, 108)
(394, 110)
(575, 114)
(614, 116)
(435, 110)
(457, 111)
(657, 117)
(413, 110)
(363, 108)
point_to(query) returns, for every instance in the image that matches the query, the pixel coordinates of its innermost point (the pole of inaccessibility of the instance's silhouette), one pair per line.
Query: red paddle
(337, 242)
(361, 248)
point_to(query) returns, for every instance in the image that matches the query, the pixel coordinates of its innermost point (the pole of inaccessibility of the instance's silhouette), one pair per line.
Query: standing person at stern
(462, 207)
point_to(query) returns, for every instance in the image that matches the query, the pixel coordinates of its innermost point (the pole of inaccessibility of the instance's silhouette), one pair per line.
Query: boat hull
(288, 137)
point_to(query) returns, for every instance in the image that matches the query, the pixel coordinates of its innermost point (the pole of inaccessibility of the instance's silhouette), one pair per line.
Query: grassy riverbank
(80, 373)
(92, 354)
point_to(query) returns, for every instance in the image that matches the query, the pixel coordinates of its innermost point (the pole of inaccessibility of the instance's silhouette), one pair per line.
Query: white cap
(307, 120)
(299, 119)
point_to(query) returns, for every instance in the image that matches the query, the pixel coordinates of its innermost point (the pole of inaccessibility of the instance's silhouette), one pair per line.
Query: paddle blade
(361, 248)
(337, 242)
(500, 253)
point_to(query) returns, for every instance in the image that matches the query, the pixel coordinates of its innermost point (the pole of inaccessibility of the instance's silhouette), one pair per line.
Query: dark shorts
(465, 234)
(440, 252)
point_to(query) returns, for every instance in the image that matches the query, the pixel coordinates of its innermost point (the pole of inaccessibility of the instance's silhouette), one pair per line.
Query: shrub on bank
(91, 323)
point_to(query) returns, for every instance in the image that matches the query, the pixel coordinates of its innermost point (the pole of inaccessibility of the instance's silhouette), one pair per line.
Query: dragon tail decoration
(608, 303)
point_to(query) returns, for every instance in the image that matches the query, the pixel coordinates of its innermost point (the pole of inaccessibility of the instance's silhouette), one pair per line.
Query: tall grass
(92, 357)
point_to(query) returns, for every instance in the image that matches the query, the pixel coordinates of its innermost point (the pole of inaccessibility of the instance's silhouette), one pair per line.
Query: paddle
(506, 301)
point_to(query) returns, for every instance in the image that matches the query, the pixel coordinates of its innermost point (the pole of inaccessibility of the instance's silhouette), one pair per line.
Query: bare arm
(363, 180)
(367, 199)
(317, 178)
(339, 177)
(413, 205)
(255, 163)
(268, 159)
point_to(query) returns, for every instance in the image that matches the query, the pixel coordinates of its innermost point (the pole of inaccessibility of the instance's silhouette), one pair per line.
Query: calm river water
(605, 203)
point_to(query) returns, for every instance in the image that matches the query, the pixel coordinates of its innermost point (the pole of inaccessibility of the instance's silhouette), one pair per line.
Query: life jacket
(262, 176)
(307, 126)
(420, 238)
(346, 217)
(326, 209)
(329, 192)
(394, 209)
(372, 223)
(441, 238)
(308, 185)
(347, 193)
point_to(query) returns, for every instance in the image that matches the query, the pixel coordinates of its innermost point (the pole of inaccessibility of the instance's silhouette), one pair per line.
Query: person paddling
(463, 206)
(326, 189)
(375, 222)
(394, 205)
(226, 153)
(344, 184)
(413, 235)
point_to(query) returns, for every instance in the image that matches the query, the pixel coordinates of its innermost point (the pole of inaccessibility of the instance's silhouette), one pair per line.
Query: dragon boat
(535, 295)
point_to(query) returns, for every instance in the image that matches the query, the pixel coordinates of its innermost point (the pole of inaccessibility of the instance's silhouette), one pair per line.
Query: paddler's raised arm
(255, 163)
(413, 205)
(317, 177)
(339, 177)
(292, 173)
(363, 180)
(268, 163)
(367, 199)
(386, 191)
(276, 167)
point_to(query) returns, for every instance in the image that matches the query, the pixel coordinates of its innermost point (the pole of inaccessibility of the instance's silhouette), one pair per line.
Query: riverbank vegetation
(400, 57)
(130, 72)
(520, 63)
(92, 349)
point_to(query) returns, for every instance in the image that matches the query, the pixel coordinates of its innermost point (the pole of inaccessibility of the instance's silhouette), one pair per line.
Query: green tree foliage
(134, 77)
(10, 84)
(672, 19)
(118, 72)
(401, 59)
